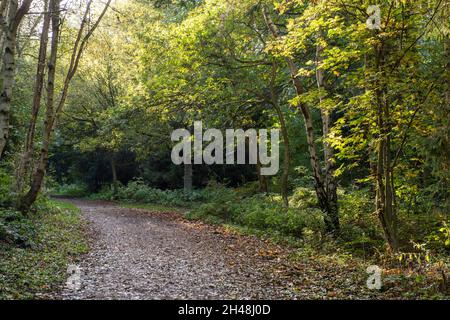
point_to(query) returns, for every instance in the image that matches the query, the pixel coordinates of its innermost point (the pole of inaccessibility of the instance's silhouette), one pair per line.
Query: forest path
(138, 254)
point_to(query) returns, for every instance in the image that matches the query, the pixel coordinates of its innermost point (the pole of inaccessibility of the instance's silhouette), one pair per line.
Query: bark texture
(10, 20)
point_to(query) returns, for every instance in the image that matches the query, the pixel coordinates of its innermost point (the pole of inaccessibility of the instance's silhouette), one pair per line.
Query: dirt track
(136, 254)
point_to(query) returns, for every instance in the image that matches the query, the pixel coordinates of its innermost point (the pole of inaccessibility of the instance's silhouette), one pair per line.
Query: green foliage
(53, 236)
(360, 230)
(138, 192)
(6, 199)
(444, 234)
(439, 239)
(303, 198)
(154, 69)
(75, 190)
(260, 212)
(16, 229)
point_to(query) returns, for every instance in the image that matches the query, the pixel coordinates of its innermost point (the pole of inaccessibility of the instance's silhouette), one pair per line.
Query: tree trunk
(262, 180)
(24, 165)
(10, 28)
(384, 185)
(8, 83)
(7, 72)
(3, 24)
(53, 110)
(384, 204)
(284, 181)
(330, 184)
(114, 174)
(447, 67)
(188, 177)
(321, 192)
(39, 173)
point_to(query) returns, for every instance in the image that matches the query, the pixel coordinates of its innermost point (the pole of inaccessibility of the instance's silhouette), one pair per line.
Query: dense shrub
(261, 212)
(15, 228)
(35, 249)
(303, 198)
(240, 206)
(71, 190)
(360, 230)
(6, 198)
(244, 206)
(138, 191)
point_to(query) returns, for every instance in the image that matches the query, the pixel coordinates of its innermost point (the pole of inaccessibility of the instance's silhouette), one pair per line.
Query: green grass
(32, 272)
(65, 205)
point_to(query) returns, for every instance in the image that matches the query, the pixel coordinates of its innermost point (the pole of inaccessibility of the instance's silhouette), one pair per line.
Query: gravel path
(137, 254)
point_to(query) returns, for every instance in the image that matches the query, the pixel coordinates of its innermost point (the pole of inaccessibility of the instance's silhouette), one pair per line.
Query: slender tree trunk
(7, 72)
(447, 66)
(384, 201)
(284, 181)
(53, 110)
(3, 23)
(188, 177)
(262, 180)
(10, 28)
(384, 172)
(321, 192)
(330, 184)
(24, 164)
(114, 174)
(39, 173)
